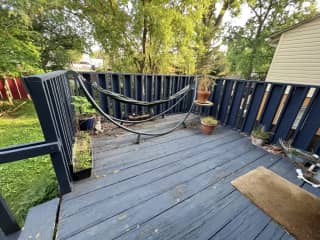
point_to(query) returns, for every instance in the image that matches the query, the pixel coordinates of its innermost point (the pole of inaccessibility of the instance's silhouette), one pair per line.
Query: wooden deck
(171, 187)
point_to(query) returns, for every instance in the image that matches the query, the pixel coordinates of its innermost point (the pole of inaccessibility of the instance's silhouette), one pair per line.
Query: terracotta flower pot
(207, 128)
(202, 96)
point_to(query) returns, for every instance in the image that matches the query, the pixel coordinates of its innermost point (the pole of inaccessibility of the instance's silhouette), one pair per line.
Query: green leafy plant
(205, 83)
(82, 106)
(209, 120)
(259, 132)
(82, 152)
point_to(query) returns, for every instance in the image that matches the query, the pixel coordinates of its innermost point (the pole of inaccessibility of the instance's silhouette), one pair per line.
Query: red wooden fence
(15, 86)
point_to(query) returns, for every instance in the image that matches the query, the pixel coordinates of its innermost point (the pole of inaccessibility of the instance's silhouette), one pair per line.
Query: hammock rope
(122, 98)
(153, 117)
(77, 77)
(178, 94)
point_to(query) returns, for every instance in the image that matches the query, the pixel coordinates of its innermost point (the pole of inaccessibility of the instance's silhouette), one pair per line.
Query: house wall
(297, 57)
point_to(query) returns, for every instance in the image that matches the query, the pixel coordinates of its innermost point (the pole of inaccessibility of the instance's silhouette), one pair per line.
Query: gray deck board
(40, 221)
(172, 187)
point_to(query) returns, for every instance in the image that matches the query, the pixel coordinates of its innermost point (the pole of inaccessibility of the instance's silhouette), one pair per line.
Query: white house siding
(297, 57)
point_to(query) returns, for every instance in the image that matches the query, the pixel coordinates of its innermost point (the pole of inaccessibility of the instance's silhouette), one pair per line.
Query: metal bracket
(184, 125)
(138, 139)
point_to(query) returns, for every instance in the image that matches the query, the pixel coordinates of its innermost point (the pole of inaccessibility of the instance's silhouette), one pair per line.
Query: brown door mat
(297, 210)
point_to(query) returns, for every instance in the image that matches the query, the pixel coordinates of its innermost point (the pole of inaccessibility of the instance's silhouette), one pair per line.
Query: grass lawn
(24, 183)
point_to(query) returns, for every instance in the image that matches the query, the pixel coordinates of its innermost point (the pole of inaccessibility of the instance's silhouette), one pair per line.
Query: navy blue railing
(289, 111)
(51, 96)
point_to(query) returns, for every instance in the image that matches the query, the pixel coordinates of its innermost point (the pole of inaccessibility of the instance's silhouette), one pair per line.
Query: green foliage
(18, 52)
(259, 132)
(29, 182)
(248, 48)
(209, 120)
(82, 151)
(157, 36)
(38, 35)
(82, 105)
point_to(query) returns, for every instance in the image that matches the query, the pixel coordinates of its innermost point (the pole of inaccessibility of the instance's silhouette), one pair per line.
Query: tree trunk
(144, 42)
(205, 60)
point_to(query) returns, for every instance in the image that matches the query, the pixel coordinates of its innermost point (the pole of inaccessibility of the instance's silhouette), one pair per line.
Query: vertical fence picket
(175, 89)
(236, 102)
(254, 107)
(115, 83)
(87, 76)
(217, 97)
(148, 91)
(104, 102)
(138, 91)
(290, 111)
(271, 106)
(309, 124)
(226, 95)
(128, 92)
(158, 92)
(166, 92)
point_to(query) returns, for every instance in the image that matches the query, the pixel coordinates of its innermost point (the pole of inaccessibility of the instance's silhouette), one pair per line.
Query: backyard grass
(24, 183)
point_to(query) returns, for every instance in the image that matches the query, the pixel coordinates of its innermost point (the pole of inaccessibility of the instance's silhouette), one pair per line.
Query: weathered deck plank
(121, 183)
(172, 187)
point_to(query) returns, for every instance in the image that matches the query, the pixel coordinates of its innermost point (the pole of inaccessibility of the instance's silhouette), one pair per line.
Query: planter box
(82, 174)
(79, 174)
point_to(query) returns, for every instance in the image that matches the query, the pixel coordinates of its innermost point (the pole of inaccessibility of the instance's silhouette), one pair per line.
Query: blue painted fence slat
(104, 102)
(115, 83)
(167, 90)
(225, 101)
(128, 92)
(309, 124)
(158, 92)
(289, 113)
(216, 97)
(138, 92)
(254, 106)
(236, 102)
(87, 76)
(149, 87)
(272, 104)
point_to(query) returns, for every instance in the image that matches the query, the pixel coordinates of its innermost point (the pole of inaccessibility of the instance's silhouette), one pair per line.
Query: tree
(209, 31)
(156, 36)
(18, 52)
(61, 33)
(38, 35)
(248, 48)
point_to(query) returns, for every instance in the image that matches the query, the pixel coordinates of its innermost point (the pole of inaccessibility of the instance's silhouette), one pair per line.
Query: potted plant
(208, 124)
(82, 156)
(203, 91)
(259, 136)
(84, 111)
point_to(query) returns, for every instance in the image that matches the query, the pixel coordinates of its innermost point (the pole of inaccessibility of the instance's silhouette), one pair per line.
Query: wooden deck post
(8, 224)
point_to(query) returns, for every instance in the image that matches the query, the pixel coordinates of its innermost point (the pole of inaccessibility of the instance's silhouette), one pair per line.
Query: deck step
(40, 221)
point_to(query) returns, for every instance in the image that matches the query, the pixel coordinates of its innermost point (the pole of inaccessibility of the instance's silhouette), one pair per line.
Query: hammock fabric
(125, 99)
(108, 117)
